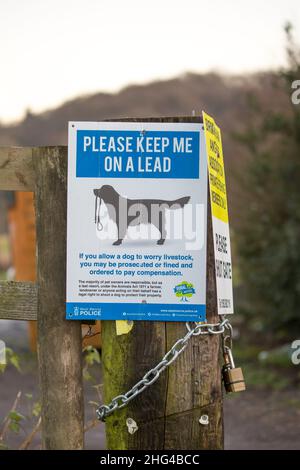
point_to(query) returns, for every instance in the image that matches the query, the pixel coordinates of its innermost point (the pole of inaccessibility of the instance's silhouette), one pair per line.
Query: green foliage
(265, 370)
(268, 240)
(91, 357)
(260, 378)
(11, 358)
(15, 421)
(36, 409)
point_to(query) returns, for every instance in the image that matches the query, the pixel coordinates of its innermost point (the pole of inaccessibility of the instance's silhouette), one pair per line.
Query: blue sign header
(137, 154)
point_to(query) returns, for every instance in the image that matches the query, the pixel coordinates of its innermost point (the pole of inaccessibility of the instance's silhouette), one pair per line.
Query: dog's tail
(180, 202)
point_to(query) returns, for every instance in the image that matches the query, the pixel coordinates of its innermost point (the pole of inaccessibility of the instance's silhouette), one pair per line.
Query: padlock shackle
(228, 353)
(227, 340)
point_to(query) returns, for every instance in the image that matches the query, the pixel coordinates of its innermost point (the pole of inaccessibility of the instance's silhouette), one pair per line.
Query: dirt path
(263, 420)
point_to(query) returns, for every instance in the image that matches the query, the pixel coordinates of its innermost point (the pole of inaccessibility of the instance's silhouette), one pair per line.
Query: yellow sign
(219, 210)
(215, 162)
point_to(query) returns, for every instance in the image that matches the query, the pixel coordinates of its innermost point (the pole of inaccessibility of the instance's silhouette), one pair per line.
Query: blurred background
(236, 60)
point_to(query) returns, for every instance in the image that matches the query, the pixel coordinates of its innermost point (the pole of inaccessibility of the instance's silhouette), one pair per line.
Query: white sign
(219, 210)
(137, 202)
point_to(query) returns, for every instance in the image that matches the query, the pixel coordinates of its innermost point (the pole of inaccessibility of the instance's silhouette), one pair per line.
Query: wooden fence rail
(18, 300)
(16, 169)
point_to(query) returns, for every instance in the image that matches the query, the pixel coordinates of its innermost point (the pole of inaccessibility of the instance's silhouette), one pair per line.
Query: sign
(219, 210)
(136, 236)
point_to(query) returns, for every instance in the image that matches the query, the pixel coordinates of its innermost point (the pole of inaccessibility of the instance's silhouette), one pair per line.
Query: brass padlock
(233, 377)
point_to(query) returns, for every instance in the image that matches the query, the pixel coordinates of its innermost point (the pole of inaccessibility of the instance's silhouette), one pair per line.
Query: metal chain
(120, 401)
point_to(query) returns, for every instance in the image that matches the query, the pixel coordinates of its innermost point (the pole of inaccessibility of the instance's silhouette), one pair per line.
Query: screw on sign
(131, 425)
(204, 420)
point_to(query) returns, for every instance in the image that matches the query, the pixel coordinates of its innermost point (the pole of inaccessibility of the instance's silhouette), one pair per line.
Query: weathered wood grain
(16, 169)
(59, 340)
(126, 359)
(184, 432)
(18, 300)
(168, 412)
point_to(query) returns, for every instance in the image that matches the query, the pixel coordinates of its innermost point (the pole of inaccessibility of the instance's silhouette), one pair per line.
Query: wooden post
(59, 341)
(168, 413)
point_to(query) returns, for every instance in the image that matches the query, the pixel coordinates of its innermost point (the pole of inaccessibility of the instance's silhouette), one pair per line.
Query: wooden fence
(167, 413)
(44, 171)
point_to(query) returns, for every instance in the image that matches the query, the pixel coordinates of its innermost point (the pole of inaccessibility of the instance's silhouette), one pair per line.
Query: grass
(3, 276)
(266, 370)
(262, 378)
(294, 402)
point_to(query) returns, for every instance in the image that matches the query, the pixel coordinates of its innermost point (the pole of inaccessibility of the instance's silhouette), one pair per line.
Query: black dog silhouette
(125, 212)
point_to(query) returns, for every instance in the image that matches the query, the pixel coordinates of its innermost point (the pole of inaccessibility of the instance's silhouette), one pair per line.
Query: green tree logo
(184, 291)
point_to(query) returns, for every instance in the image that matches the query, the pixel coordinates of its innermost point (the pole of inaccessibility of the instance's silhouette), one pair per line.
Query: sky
(55, 50)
